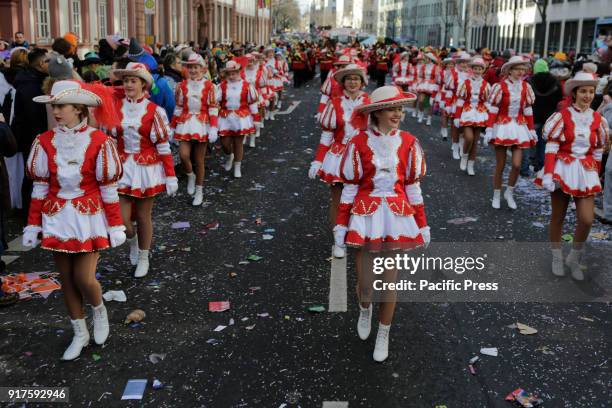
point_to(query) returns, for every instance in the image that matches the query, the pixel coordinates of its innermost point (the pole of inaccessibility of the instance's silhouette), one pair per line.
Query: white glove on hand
(117, 237)
(548, 183)
(171, 186)
(213, 135)
(30, 236)
(315, 166)
(425, 233)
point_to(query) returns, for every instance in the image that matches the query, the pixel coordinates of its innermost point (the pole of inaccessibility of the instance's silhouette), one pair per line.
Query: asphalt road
(277, 352)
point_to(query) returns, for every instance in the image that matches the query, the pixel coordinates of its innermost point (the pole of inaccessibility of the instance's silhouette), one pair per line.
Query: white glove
(425, 233)
(548, 183)
(317, 117)
(533, 135)
(488, 135)
(315, 166)
(456, 123)
(213, 135)
(117, 236)
(258, 124)
(30, 236)
(339, 235)
(171, 186)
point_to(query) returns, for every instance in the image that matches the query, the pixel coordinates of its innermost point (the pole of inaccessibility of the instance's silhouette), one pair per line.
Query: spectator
(172, 70)
(548, 94)
(20, 41)
(30, 118)
(606, 111)
(5, 52)
(492, 76)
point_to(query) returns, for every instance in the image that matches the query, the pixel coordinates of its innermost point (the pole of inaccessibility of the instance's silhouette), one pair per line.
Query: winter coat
(30, 118)
(548, 94)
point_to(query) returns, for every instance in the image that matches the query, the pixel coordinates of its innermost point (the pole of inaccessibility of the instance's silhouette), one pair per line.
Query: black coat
(30, 118)
(8, 147)
(548, 94)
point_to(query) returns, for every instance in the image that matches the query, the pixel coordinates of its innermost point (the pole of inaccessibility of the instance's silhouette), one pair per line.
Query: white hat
(194, 59)
(231, 66)
(69, 92)
(462, 57)
(343, 60)
(135, 69)
(432, 57)
(580, 79)
(386, 97)
(477, 61)
(350, 69)
(512, 62)
(447, 61)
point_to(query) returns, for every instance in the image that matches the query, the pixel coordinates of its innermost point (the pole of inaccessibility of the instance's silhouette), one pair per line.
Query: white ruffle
(427, 87)
(235, 123)
(139, 177)
(192, 126)
(575, 176)
(331, 163)
(511, 131)
(383, 223)
(68, 223)
(473, 116)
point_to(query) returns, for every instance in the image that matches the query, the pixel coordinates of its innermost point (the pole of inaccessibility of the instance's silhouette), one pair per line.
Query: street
(274, 350)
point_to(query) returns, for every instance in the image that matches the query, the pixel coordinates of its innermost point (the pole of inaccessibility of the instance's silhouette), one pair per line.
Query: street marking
(9, 258)
(337, 285)
(335, 404)
(290, 109)
(17, 246)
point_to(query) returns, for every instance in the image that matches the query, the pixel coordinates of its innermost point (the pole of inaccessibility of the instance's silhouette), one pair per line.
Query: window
(76, 17)
(174, 21)
(554, 36)
(123, 18)
(42, 13)
(102, 18)
(527, 38)
(555, 2)
(570, 35)
(538, 41)
(588, 36)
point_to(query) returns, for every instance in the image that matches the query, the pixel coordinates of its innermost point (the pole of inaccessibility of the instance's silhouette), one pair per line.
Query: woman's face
(233, 76)
(133, 86)
(65, 115)
(477, 70)
(517, 71)
(463, 66)
(390, 118)
(585, 95)
(195, 71)
(352, 83)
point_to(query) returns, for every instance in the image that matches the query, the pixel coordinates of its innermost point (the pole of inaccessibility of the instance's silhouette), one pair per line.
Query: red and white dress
(337, 132)
(329, 89)
(575, 142)
(381, 202)
(472, 97)
(427, 79)
(441, 94)
(510, 120)
(143, 145)
(74, 201)
(238, 108)
(275, 82)
(401, 73)
(258, 79)
(196, 110)
(452, 83)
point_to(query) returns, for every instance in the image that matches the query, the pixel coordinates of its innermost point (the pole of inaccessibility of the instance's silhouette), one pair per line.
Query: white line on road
(9, 258)
(290, 109)
(16, 245)
(337, 285)
(335, 404)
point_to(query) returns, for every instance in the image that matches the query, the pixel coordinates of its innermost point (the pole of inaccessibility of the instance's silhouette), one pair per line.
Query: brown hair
(19, 59)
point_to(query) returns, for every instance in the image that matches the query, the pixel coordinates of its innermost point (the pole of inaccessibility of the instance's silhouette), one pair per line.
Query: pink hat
(136, 69)
(386, 97)
(512, 62)
(477, 61)
(231, 66)
(351, 69)
(580, 79)
(194, 59)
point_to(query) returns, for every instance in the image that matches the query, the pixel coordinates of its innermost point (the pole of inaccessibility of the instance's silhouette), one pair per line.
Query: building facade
(570, 24)
(166, 21)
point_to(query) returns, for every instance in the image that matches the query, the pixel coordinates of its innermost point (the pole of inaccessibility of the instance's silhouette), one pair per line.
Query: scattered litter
(27, 353)
(214, 342)
(251, 327)
(220, 328)
(233, 274)
(472, 363)
(567, 237)
(156, 358)
(255, 258)
(134, 390)
(136, 315)
(472, 369)
(116, 295)
(538, 224)
(269, 230)
(243, 263)
(157, 385)
(256, 187)
(523, 399)
(267, 237)
(231, 322)
(134, 325)
(265, 314)
(258, 221)
(186, 249)
(545, 350)
(524, 329)
(96, 357)
(218, 306)
(29, 284)
(599, 235)
(588, 319)
(512, 326)
(316, 309)
(180, 225)
(212, 226)
(244, 319)
(254, 288)
(462, 220)
(474, 359)
(489, 351)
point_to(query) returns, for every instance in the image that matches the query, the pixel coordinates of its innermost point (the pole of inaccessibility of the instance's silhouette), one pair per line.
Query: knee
(586, 220)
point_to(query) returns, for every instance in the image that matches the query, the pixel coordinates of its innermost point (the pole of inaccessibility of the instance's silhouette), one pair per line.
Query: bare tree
(285, 15)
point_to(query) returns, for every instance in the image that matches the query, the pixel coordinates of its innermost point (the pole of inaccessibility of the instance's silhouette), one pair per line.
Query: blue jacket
(162, 95)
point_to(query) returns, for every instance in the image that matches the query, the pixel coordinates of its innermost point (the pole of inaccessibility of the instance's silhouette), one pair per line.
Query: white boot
(496, 199)
(279, 104)
(339, 251)
(271, 115)
(191, 183)
(80, 339)
(428, 123)
(470, 168)
(455, 148)
(198, 197)
(420, 119)
(463, 163)
(414, 112)
(364, 324)
(100, 321)
(252, 141)
(444, 133)
(237, 172)
(143, 264)
(267, 115)
(257, 132)
(381, 349)
(558, 268)
(229, 162)
(509, 196)
(573, 261)
(134, 249)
